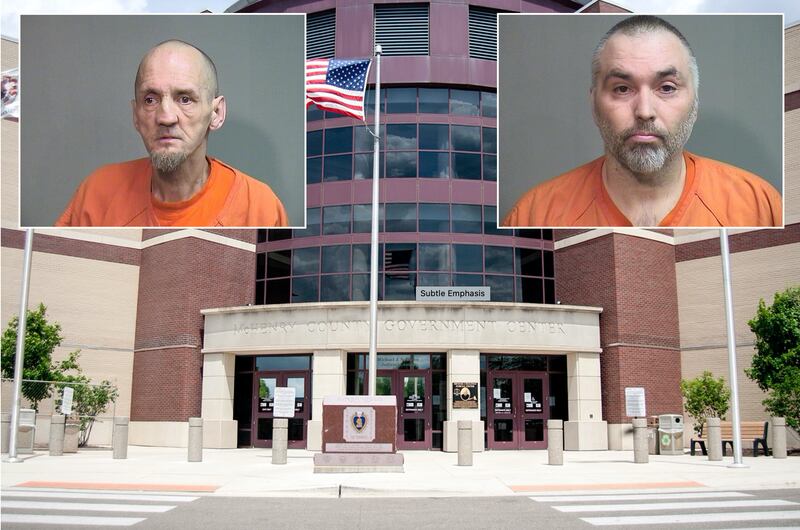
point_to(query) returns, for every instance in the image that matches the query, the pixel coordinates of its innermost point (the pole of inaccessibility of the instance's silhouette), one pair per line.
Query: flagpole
(726, 280)
(19, 362)
(373, 267)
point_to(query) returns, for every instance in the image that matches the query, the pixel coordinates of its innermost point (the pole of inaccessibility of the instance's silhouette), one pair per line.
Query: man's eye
(185, 100)
(622, 89)
(149, 100)
(668, 89)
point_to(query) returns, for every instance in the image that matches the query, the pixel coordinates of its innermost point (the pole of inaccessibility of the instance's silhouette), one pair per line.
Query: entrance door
(517, 411)
(413, 391)
(263, 399)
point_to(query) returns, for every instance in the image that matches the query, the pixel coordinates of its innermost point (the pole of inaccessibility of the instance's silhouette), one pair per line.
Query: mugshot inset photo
(643, 120)
(162, 120)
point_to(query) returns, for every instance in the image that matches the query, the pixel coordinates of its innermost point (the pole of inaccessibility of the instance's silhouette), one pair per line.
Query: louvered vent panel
(321, 35)
(482, 33)
(402, 29)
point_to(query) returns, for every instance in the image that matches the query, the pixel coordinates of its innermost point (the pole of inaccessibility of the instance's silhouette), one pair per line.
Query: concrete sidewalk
(249, 472)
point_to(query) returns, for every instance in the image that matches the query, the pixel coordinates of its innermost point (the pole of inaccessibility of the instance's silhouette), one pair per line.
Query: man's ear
(218, 110)
(133, 114)
(591, 103)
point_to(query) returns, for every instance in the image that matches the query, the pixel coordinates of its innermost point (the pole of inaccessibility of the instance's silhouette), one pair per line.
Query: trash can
(652, 435)
(670, 434)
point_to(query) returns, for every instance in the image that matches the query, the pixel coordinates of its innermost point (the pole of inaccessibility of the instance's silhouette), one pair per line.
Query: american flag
(337, 85)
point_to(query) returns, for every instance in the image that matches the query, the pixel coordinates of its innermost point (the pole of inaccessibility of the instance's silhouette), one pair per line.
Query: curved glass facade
(438, 216)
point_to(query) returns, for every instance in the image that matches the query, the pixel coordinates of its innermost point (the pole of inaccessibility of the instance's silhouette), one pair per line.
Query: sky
(12, 8)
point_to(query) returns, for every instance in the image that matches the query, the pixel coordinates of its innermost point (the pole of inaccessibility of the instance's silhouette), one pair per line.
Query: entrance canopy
(485, 326)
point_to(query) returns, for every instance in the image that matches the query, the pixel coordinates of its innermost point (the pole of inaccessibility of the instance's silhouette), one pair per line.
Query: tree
(41, 338)
(706, 397)
(88, 402)
(776, 364)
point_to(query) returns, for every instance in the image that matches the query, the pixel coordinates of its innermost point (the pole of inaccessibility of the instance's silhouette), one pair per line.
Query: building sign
(284, 404)
(358, 424)
(634, 402)
(451, 294)
(532, 405)
(465, 395)
(66, 400)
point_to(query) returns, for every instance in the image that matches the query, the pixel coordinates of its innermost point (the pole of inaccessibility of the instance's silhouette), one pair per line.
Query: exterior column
(585, 429)
(328, 378)
(463, 366)
(219, 428)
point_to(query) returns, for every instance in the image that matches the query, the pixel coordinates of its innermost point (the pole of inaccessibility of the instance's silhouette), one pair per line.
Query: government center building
(206, 323)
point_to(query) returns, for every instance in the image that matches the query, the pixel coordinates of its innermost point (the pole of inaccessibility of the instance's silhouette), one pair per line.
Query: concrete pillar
(195, 439)
(640, 452)
(280, 440)
(778, 437)
(463, 366)
(220, 430)
(5, 430)
(329, 378)
(555, 442)
(585, 430)
(714, 434)
(464, 443)
(56, 445)
(119, 437)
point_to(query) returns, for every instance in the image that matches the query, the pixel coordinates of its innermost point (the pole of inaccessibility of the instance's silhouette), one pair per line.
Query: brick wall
(177, 280)
(633, 280)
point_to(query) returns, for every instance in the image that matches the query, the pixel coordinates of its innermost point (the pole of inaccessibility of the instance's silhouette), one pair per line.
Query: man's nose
(166, 113)
(644, 106)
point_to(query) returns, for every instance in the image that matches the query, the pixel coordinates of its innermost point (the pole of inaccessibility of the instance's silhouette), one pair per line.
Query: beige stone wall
(95, 303)
(791, 180)
(755, 274)
(9, 150)
(792, 58)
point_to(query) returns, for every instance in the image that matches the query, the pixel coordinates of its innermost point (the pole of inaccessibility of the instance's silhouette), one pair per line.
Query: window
(339, 140)
(401, 100)
(305, 261)
(305, 289)
(336, 219)
(467, 258)
(320, 34)
(482, 33)
(338, 167)
(336, 258)
(401, 217)
(465, 102)
(313, 170)
(434, 257)
(434, 164)
(466, 166)
(499, 259)
(401, 164)
(312, 224)
(434, 136)
(278, 263)
(402, 29)
(314, 143)
(401, 136)
(529, 261)
(434, 217)
(466, 138)
(334, 288)
(489, 104)
(433, 100)
(467, 218)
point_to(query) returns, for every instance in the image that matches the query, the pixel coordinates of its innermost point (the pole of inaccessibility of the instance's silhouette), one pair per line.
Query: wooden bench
(754, 431)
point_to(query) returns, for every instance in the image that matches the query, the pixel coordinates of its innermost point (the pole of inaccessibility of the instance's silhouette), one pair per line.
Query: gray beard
(646, 161)
(167, 162)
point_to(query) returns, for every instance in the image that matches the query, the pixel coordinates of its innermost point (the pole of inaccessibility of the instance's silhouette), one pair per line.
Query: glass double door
(413, 391)
(517, 410)
(263, 403)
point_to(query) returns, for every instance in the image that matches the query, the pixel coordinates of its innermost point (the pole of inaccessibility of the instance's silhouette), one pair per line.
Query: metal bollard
(778, 437)
(119, 437)
(714, 448)
(555, 442)
(56, 444)
(640, 451)
(464, 443)
(195, 439)
(280, 440)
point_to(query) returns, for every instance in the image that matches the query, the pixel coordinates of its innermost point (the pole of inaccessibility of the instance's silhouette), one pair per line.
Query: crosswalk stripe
(31, 493)
(693, 518)
(758, 503)
(86, 506)
(68, 520)
(641, 496)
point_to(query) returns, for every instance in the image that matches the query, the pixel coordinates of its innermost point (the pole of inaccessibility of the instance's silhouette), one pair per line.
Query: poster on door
(266, 394)
(532, 404)
(502, 404)
(414, 403)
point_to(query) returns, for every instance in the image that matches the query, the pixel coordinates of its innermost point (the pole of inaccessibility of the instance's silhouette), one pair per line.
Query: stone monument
(359, 435)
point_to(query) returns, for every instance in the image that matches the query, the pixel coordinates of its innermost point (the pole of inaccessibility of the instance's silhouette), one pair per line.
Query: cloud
(12, 9)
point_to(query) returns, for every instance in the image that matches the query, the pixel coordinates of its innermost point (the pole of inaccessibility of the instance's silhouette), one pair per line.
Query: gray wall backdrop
(78, 74)
(545, 119)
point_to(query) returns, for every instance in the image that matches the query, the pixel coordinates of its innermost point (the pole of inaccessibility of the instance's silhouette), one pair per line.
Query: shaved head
(211, 84)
